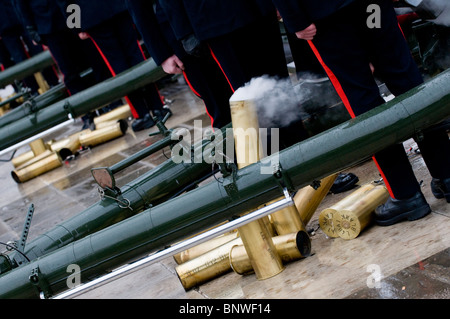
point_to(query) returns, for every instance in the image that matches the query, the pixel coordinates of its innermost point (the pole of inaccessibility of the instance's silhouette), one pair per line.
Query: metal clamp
(283, 179)
(229, 180)
(114, 194)
(40, 283)
(68, 108)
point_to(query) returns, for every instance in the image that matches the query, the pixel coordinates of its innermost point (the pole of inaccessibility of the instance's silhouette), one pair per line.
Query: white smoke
(441, 8)
(276, 101)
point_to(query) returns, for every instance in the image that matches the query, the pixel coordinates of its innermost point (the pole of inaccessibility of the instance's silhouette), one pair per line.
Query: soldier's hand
(83, 35)
(307, 34)
(34, 35)
(173, 65)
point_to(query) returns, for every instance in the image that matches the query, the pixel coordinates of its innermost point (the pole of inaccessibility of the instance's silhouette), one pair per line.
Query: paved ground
(411, 258)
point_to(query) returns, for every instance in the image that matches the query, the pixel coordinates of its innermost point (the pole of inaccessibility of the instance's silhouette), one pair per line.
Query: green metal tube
(35, 104)
(13, 98)
(149, 190)
(79, 104)
(159, 145)
(26, 68)
(213, 203)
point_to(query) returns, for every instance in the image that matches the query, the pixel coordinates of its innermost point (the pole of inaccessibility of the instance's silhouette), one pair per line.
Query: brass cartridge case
(42, 83)
(286, 220)
(104, 134)
(38, 146)
(37, 168)
(352, 219)
(326, 217)
(290, 247)
(120, 113)
(217, 261)
(205, 267)
(35, 159)
(22, 158)
(255, 235)
(70, 145)
(105, 124)
(308, 199)
(200, 249)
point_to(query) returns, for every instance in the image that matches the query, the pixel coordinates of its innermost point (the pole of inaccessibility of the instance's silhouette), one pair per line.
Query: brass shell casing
(30, 171)
(205, 267)
(104, 134)
(38, 146)
(200, 249)
(22, 158)
(286, 220)
(351, 220)
(218, 261)
(68, 146)
(255, 235)
(290, 247)
(308, 199)
(120, 113)
(326, 217)
(42, 83)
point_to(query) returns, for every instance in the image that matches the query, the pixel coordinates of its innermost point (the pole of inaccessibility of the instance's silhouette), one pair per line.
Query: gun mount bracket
(115, 194)
(40, 283)
(283, 179)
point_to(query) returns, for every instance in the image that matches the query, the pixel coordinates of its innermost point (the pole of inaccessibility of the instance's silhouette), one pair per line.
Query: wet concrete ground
(411, 258)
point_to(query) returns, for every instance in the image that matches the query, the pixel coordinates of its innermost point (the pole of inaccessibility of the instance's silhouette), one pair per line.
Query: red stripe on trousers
(196, 93)
(145, 58)
(220, 66)
(133, 110)
(338, 87)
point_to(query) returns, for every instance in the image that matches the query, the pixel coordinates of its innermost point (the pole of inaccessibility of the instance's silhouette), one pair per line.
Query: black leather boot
(344, 182)
(441, 188)
(396, 210)
(143, 123)
(160, 114)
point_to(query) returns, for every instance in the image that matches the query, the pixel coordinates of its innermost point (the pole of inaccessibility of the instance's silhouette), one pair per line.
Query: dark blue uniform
(201, 73)
(46, 23)
(11, 30)
(299, 14)
(110, 27)
(5, 57)
(244, 36)
(346, 46)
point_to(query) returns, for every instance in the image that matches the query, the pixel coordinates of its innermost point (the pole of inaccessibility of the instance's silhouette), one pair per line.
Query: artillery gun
(143, 218)
(158, 228)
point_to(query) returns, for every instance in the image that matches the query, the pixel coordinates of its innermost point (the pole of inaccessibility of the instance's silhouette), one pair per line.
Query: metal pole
(37, 136)
(26, 68)
(177, 248)
(79, 104)
(159, 145)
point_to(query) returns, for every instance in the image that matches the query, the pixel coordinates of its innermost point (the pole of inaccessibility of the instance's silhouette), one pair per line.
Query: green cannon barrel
(35, 104)
(26, 68)
(81, 103)
(150, 189)
(176, 219)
